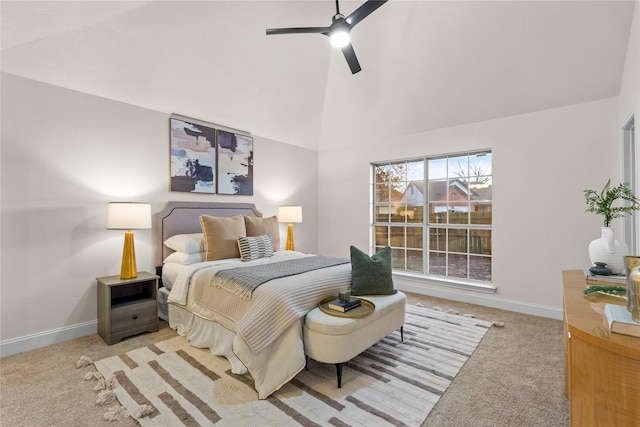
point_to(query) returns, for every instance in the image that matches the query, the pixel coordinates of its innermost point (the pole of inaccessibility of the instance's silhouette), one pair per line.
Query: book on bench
(344, 306)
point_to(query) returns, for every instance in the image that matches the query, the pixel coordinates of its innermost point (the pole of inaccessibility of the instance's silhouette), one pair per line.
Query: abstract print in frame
(193, 157)
(235, 163)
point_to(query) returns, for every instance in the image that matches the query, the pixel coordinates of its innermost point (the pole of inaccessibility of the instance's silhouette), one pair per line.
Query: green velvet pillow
(371, 275)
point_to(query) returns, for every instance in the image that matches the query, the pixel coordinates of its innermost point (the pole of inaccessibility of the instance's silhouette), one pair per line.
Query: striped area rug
(393, 383)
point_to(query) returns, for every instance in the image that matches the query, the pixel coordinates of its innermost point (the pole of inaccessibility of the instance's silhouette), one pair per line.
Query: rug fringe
(116, 413)
(105, 397)
(495, 323)
(104, 384)
(106, 394)
(84, 361)
(93, 375)
(142, 411)
(120, 413)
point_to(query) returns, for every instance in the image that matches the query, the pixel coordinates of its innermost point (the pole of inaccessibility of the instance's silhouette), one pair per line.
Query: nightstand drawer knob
(135, 316)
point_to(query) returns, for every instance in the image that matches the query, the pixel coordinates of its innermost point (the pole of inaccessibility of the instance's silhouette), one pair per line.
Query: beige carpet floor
(514, 378)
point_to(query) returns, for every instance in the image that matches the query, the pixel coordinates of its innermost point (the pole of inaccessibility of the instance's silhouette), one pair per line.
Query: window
(435, 213)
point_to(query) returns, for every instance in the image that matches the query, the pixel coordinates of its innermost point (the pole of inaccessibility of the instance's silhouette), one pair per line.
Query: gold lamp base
(128, 270)
(290, 246)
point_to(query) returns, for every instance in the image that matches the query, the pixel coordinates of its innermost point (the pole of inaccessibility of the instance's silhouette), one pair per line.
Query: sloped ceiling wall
(426, 64)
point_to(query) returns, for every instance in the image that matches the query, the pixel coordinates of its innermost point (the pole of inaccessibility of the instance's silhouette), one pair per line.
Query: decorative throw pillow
(255, 247)
(371, 275)
(221, 236)
(184, 258)
(257, 226)
(188, 243)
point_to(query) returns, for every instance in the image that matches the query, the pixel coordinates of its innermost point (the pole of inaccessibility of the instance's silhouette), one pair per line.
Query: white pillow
(184, 258)
(188, 243)
(255, 247)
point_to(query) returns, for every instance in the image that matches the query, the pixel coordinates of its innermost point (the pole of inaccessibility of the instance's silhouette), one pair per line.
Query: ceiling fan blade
(363, 11)
(352, 60)
(306, 30)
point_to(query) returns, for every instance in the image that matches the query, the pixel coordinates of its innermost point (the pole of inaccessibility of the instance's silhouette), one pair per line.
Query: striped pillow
(255, 247)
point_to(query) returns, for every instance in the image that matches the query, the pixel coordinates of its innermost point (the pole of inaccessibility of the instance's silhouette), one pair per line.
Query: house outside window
(436, 215)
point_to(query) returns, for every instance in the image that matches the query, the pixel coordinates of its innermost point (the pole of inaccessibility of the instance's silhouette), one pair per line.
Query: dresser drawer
(133, 315)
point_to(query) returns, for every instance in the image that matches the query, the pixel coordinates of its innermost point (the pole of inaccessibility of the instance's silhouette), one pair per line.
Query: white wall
(630, 86)
(64, 156)
(542, 162)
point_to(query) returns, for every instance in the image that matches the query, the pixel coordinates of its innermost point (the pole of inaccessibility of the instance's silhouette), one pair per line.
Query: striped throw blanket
(242, 281)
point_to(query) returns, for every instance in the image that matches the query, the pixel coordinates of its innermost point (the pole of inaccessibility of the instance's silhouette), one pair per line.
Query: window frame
(403, 209)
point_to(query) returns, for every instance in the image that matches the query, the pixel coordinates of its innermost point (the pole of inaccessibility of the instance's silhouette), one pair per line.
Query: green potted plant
(606, 249)
(602, 203)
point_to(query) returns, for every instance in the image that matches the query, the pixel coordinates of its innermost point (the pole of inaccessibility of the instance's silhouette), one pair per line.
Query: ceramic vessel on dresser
(609, 250)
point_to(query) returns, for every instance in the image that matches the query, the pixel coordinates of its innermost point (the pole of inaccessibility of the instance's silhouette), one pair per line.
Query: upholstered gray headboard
(184, 217)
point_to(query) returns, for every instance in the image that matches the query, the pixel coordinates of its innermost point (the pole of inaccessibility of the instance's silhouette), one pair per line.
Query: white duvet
(266, 330)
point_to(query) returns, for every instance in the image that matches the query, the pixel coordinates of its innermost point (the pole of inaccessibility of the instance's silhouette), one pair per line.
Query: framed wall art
(193, 157)
(206, 159)
(235, 163)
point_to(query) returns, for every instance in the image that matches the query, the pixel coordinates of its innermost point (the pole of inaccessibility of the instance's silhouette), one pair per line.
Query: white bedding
(170, 272)
(262, 335)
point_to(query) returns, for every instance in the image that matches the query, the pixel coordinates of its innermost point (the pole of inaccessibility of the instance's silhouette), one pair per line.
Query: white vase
(609, 250)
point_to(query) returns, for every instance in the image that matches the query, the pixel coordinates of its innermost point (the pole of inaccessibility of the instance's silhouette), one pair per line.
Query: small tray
(605, 297)
(613, 297)
(365, 309)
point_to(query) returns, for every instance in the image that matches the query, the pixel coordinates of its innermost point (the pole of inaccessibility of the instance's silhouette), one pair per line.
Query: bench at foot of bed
(333, 339)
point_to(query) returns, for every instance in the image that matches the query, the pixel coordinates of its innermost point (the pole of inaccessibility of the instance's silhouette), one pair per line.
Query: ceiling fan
(339, 30)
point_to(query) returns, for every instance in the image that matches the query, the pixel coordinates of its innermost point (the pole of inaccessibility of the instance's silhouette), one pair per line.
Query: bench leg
(306, 362)
(402, 333)
(339, 372)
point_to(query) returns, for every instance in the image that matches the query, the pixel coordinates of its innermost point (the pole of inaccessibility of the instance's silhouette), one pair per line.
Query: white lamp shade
(128, 216)
(290, 214)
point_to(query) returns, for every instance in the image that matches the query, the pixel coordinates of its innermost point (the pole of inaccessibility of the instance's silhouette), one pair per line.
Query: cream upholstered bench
(332, 339)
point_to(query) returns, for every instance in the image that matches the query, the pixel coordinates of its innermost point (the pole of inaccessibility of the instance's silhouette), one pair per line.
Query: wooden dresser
(602, 369)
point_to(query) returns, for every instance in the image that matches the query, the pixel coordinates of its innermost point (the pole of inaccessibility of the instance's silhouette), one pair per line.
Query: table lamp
(290, 214)
(128, 216)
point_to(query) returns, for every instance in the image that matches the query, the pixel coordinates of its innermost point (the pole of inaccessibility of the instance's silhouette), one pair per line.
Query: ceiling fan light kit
(339, 30)
(340, 39)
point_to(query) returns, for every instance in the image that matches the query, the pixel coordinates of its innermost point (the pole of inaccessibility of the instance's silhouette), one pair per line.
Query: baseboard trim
(481, 299)
(55, 336)
(46, 338)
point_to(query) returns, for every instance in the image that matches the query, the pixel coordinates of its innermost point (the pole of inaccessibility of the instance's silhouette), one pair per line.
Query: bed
(259, 331)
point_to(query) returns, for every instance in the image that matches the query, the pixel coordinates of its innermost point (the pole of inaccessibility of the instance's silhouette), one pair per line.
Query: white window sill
(468, 285)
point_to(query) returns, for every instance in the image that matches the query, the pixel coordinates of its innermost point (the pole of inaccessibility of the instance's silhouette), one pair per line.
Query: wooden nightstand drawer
(133, 315)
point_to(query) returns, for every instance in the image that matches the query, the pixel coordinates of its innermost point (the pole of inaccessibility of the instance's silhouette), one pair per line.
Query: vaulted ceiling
(425, 64)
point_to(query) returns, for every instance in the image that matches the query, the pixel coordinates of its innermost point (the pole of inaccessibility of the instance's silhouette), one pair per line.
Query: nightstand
(127, 307)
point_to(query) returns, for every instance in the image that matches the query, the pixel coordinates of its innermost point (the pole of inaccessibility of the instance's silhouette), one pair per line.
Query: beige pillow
(221, 236)
(260, 226)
